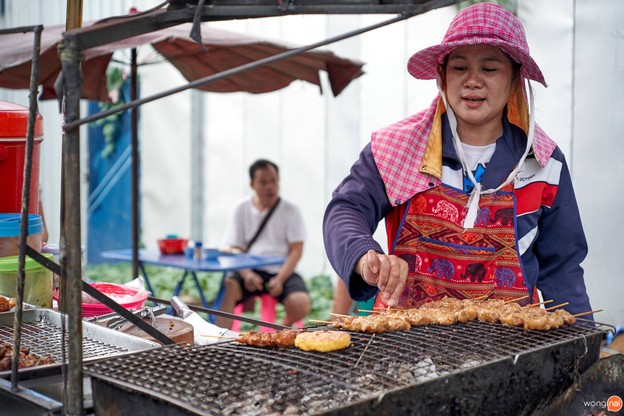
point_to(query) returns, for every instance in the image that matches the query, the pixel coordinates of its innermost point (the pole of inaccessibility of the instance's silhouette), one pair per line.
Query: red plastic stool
(267, 313)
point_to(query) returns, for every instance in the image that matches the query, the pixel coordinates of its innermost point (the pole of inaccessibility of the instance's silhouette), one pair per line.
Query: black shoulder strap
(262, 224)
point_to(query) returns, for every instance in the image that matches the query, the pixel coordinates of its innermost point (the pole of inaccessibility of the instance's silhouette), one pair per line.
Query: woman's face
(479, 80)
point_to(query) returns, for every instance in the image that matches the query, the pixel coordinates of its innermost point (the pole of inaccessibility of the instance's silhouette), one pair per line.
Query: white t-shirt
(284, 227)
(477, 157)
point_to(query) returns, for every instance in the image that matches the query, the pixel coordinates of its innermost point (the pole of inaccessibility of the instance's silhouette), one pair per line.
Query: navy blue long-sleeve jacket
(551, 240)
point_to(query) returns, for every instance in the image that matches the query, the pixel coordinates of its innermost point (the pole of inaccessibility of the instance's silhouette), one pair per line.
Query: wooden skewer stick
(557, 306)
(365, 348)
(516, 300)
(541, 303)
(586, 313)
(218, 336)
(384, 310)
(320, 322)
(338, 314)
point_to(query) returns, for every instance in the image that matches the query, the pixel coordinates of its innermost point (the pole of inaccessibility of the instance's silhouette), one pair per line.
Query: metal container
(43, 332)
(464, 369)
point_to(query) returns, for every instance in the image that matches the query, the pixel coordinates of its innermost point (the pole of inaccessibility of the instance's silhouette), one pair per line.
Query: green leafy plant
(164, 279)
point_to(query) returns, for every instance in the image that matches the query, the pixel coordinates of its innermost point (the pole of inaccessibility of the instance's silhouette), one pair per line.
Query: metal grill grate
(45, 339)
(230, 378)
(42, 333)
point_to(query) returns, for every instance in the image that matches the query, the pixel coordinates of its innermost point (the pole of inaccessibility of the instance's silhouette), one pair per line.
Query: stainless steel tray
(42, 331)
(25, 306)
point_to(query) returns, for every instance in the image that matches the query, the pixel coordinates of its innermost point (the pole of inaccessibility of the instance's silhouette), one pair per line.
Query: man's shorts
(294, 284)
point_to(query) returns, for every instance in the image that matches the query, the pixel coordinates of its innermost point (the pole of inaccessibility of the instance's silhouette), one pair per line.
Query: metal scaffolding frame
(78, 40)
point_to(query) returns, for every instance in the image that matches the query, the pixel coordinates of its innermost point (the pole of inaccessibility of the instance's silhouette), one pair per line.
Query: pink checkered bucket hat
(482, 23)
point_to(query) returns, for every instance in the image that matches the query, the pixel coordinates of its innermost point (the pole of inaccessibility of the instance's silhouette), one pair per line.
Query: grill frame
(542, 366)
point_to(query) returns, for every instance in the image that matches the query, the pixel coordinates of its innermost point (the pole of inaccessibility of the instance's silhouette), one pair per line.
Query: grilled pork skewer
(280, 339)
(447, 311)
(321, 341)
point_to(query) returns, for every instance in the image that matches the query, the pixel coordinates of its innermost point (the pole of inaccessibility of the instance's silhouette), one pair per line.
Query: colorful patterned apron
(444, 260)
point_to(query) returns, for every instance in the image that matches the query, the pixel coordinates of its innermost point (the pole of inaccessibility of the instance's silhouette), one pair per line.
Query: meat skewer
(277, 339)
(447, 311)
(7, 304)
(26, 358)
(321, 341)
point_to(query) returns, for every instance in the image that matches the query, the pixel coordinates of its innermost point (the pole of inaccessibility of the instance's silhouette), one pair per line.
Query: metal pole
(70, 235)
(135, 167)
(197, 165)
(32, 116)
(70, 247)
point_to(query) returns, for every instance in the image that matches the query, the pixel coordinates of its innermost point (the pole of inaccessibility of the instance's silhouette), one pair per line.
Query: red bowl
(172, 245)
(129, 297)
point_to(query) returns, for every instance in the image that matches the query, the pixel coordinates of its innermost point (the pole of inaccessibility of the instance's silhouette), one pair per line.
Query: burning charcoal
(222, 398)
(291, 411)
(471, 363)
(253, 403)
(367, 380)
(425, 370)
(401, 372)
(321, 399)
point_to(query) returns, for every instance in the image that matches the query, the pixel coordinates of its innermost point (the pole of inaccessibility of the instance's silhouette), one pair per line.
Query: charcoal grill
(472, 368)
(590, 392)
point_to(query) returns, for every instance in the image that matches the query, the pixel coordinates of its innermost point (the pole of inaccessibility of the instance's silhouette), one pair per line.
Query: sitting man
(282, 235)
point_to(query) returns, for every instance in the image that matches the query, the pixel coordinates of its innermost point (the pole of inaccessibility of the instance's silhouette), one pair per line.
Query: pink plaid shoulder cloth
(399, 148)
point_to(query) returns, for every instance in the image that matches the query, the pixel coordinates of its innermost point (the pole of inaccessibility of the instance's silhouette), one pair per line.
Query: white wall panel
(549, 27)
(598, 146)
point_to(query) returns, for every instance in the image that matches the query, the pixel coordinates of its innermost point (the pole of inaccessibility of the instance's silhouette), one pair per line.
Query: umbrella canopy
(221, 50)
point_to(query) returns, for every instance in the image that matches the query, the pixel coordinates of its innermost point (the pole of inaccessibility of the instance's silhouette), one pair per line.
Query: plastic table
(225, 262)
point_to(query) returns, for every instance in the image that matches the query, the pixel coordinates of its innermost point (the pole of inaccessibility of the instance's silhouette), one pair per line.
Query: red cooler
(13, 132)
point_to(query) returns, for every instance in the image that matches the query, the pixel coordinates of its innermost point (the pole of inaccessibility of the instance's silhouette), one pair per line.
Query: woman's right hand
(387, 272)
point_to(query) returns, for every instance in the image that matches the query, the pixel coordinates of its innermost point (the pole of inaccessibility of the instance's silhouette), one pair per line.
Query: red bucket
(13, 132)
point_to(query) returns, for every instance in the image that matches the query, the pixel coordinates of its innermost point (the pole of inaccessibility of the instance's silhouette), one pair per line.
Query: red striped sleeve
(530, 197)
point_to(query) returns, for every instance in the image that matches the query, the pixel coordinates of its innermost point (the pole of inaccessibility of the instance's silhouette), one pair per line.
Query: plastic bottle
(197, 254)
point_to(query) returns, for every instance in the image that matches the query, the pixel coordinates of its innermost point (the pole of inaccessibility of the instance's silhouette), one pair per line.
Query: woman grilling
(477, 199)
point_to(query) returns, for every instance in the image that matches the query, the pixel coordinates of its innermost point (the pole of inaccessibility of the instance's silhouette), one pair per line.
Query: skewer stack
(449, 311)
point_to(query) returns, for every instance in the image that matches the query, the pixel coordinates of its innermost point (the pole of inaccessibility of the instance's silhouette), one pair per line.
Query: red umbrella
(222, 50)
